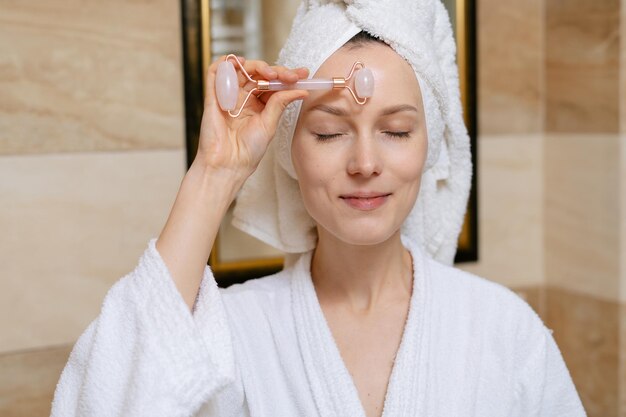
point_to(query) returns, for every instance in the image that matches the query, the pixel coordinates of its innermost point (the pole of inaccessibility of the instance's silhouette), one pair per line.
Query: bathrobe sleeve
(147, 354)
(545, 387)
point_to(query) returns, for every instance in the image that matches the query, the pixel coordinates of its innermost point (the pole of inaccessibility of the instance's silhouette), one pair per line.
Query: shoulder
(466, 284)
(481, 302)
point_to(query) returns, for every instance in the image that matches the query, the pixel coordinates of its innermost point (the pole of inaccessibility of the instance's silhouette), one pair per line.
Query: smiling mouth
(365, 201)
(365, 195)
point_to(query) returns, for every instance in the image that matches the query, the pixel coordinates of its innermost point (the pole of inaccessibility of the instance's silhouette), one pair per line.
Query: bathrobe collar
(333, 387)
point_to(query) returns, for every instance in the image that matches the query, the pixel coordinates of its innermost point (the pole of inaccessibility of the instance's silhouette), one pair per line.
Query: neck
(361, 277)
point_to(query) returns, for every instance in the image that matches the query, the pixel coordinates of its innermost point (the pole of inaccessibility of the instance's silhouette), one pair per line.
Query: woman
(364, 322)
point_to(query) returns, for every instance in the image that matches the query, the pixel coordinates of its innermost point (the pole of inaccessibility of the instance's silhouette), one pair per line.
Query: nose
(365, 157)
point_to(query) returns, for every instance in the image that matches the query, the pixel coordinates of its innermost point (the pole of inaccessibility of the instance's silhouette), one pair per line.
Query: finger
(287, 75)
(260, 68)
(263, 96)
(283, 74)
(276, 105)
(302, 72)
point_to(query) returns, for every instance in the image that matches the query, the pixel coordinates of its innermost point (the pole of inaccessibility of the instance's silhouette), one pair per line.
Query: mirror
(257, 29)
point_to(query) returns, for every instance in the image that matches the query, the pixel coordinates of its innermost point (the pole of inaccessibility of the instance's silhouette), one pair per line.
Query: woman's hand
(229, 150)
(238, 144)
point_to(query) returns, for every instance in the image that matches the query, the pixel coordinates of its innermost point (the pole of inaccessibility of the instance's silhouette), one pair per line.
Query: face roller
(227, 84)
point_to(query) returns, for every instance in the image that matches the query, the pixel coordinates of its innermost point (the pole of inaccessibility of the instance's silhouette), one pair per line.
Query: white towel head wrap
(270, 207)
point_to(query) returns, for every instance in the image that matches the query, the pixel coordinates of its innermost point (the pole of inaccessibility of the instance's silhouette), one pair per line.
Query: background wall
(552, 196)
(510, 146)
(91, 156)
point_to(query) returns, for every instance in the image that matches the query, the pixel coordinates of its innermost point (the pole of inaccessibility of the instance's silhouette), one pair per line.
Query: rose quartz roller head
(227, 85)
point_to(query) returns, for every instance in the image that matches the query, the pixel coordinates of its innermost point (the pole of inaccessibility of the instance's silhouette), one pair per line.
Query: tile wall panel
(90, 76)
(622, 102)
(510, 210)
(582, 214)
(510, 66)
(586, 330)
(582, 60)
(622, 365)
(622, 216)
(76, 224)
(622, 362)
(28, 379)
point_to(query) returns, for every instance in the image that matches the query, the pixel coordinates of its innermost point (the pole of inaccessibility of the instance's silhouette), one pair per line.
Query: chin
(363, 234)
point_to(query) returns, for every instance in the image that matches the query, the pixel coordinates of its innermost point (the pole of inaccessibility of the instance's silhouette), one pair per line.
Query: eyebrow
(385, 112)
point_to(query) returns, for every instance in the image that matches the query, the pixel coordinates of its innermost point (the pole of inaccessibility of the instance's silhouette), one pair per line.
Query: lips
(365, 194)
(365, 200)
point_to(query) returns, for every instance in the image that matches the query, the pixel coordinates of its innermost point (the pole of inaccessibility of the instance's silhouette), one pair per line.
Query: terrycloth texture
(264, 349)
(270, 206)
(146, 355)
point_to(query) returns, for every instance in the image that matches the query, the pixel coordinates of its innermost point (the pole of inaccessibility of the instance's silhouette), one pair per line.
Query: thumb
(275, 106)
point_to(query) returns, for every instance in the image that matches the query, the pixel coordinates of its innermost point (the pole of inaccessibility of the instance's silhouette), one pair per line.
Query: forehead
(394, 78)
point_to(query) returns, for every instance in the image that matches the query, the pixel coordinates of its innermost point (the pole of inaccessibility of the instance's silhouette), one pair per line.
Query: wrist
(221, 184)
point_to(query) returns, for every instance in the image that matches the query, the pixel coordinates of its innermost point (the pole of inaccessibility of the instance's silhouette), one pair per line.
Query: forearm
(233, 147)
(187, 238)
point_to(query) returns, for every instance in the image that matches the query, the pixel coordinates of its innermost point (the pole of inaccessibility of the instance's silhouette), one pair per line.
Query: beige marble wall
(510, 210)
(587, 332)
(77, 81)
(584, 207)
(622, 246)
(582, 213)
(622, 215)
(622, 362)
(582, 60)
(510, 119)
(76, 224)
(28, 379)
(622, 367)
(510, 66)
(85, 76)
(622, 103)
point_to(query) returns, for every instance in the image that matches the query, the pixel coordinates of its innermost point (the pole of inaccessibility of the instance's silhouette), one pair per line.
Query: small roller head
(226, 86)
(364, 83)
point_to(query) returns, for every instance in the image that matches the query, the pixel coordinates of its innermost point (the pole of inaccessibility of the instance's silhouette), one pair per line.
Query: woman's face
(359, 167)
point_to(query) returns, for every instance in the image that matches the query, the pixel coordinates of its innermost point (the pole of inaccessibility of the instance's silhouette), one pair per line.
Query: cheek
(313, 169)
(314, 162)
(409, 163)
(411, 168)
(316, 178)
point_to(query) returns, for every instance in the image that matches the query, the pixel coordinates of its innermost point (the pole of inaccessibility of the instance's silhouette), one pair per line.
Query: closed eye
(398, 134)
(323, 137)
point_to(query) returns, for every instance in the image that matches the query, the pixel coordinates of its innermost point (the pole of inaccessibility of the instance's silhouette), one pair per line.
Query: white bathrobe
(263, 349)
